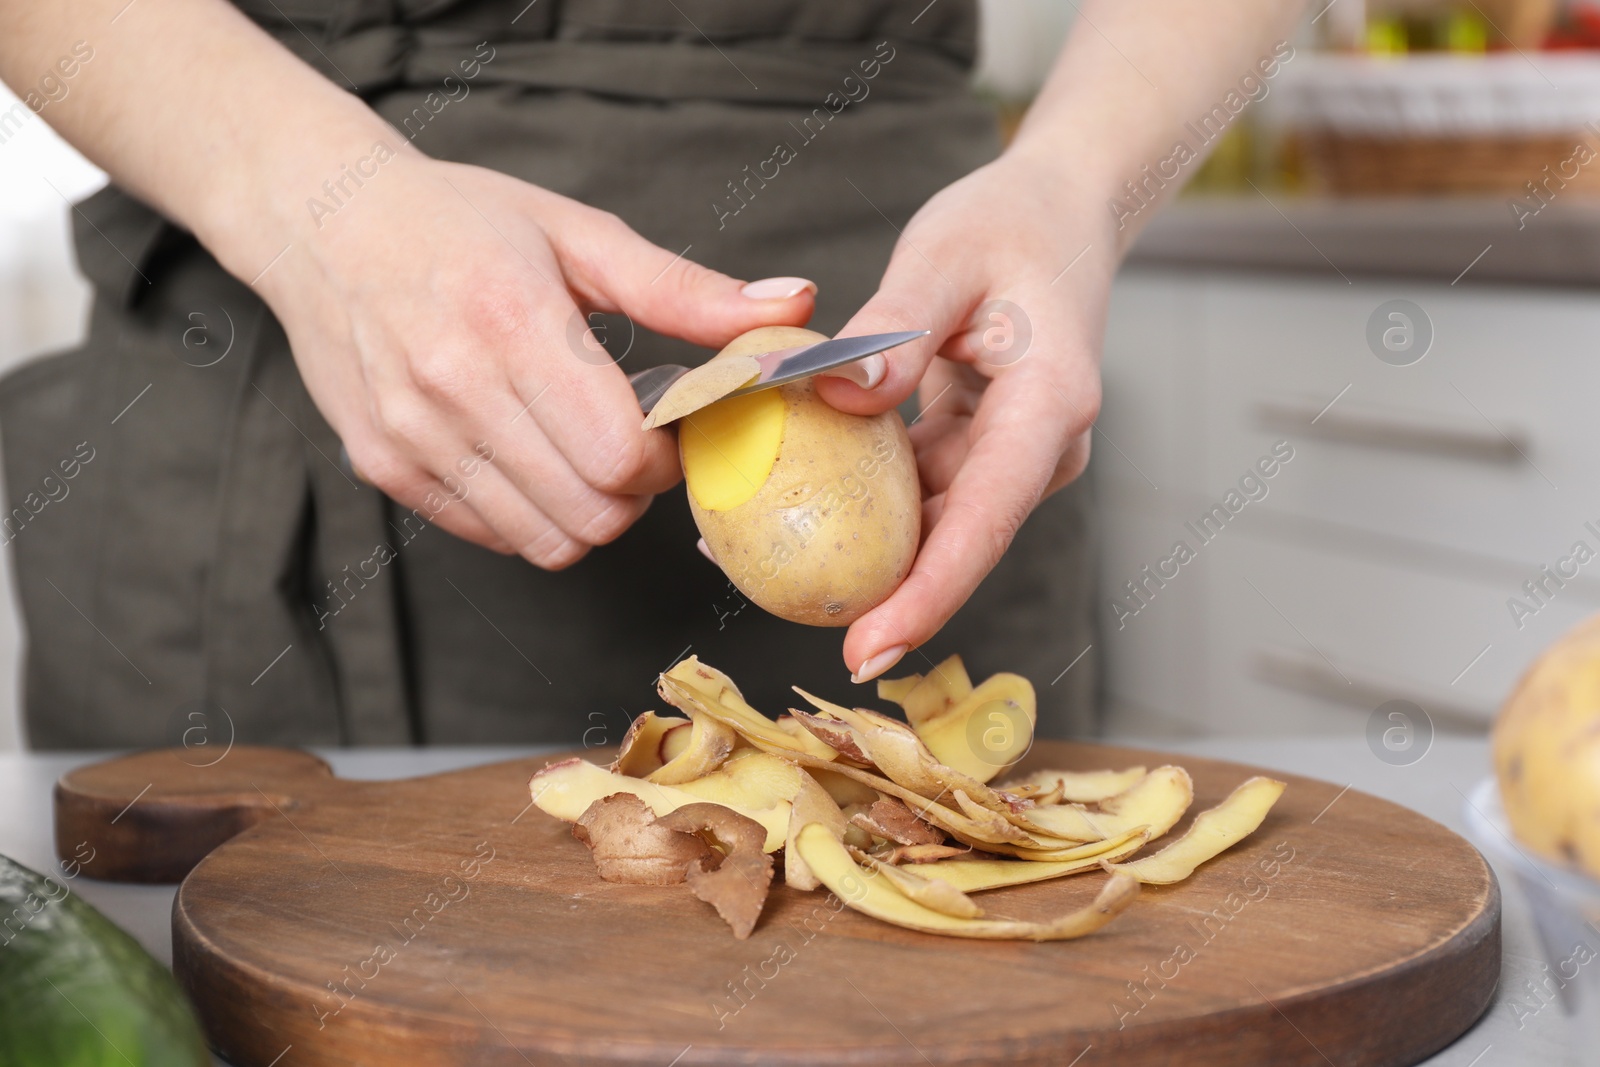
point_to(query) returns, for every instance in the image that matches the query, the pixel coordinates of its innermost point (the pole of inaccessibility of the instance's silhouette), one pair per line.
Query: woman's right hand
(438, 317)
(433, 308)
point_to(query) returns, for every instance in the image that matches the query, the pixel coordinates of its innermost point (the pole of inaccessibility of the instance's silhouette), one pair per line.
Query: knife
(694, 388)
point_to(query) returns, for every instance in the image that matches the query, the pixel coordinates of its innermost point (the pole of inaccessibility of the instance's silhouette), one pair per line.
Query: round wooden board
(442, 921)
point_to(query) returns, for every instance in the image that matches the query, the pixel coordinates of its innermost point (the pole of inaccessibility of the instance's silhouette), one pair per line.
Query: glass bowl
(1565, 905)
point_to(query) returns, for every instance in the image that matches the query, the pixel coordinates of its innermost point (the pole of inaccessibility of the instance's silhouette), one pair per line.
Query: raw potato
(1547, 752)
(815, 514)
(628, 844)
(877, 897)
(1214, 831)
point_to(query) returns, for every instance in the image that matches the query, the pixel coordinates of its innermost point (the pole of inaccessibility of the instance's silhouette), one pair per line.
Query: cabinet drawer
(1299, 639)
(1487, 445)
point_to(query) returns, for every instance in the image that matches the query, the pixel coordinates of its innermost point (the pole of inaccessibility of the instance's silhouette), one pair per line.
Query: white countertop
(1435, 786)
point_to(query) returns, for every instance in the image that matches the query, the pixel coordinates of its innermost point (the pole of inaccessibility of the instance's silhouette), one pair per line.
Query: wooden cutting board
(440, 920)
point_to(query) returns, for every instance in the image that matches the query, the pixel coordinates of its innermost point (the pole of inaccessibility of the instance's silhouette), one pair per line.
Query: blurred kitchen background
(1389, 263)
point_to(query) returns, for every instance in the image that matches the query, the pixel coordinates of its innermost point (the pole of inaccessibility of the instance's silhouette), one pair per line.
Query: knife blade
(791, 364)
(679, 391)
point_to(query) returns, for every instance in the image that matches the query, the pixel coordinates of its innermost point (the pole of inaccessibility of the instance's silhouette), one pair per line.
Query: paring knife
(748, 375)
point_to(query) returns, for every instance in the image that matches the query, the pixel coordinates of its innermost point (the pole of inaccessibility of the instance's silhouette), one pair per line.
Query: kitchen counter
(1434, 785)
(1474, 239)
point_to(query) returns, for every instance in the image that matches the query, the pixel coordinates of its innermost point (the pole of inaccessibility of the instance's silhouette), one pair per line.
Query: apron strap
(291, 522)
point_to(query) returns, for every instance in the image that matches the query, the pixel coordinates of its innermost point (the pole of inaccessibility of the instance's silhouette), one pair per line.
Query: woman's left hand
(1010, 268)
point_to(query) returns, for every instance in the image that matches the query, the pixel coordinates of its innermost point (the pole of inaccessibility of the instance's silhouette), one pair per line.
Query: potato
(1547, 751)
(814, 514)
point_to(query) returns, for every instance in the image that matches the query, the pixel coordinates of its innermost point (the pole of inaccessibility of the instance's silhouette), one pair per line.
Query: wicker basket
(1442, 124)
(1355, 165)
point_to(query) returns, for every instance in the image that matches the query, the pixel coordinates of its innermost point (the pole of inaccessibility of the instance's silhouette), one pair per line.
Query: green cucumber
(76, 991)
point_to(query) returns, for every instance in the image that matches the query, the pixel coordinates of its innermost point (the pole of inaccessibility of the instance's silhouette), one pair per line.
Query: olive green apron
(211, 567)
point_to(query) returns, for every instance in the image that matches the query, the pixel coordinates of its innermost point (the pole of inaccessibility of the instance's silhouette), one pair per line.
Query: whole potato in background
(813, 513)
(1547, 751)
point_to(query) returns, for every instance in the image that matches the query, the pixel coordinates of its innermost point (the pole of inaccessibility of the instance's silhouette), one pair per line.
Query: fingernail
(866, 373)
(777, 288)
(876, 665)
(704, 551)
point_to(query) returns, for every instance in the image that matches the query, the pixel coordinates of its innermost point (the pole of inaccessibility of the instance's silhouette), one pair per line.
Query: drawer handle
(1352, 425)
(1312, 677)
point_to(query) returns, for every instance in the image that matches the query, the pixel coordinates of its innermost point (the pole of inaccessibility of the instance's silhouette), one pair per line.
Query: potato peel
(735, 884)
(900, 755)
(1074, 787)
(890, 819)
(566, 789)
(811, 804)
(930, 892)
(693, 687)
(980, 834)
(893, 818)
(1067, 822)
(710, 743)
(1031, 839)
(977, 875)
(844, 791)
(925, 698)
(1158, 800)
(902, 854)
(839, 736)
(875, 896)
(1213, 832)
(702, 386)
(629, 845)
(640, 753)
(942, 706)
(987, 730)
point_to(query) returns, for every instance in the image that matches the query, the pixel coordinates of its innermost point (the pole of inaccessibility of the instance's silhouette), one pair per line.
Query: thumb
(616, 270)
(913, 295)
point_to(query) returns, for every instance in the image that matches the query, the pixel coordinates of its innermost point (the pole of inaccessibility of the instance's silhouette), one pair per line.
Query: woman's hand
(435, 310)
(438, 317)
(1010, 268)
